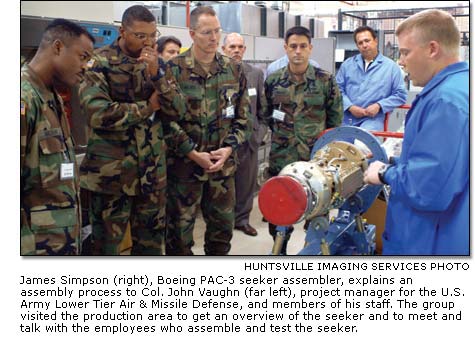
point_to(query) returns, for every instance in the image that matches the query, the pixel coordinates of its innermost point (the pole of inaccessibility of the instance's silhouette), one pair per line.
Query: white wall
(93, 11)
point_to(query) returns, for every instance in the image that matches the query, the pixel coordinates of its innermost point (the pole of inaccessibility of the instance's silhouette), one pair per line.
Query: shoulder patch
(22, 108)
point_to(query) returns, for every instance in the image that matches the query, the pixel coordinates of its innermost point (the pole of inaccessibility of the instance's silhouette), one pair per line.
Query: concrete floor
(242, 244)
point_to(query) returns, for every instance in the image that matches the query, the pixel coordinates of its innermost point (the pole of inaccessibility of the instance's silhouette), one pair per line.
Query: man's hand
(371, 174)
(201, 158)
(219, 157)
(149, 56)
(357, 112)
(153, 100)
(373, 109)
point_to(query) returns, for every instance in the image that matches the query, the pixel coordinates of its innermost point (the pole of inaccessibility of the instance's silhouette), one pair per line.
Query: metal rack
(387, 21)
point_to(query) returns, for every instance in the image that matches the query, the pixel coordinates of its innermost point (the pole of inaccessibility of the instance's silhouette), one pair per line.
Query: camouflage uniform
(50, 212)
(125, 165)
(310, 107)
(205, 128)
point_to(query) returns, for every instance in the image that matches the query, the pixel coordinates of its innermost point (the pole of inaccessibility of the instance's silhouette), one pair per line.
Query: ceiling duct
(276, 5)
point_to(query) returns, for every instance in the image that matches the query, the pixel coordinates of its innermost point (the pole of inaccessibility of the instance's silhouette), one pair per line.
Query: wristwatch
(381, 173)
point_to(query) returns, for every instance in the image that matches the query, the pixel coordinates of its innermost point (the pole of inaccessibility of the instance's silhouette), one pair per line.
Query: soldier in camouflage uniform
(203, 143)
(125, 165)
(302, 101)
(50, 209)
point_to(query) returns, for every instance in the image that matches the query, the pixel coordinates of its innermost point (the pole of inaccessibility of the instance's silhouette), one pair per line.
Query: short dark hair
(137, 13)
(364, 28)
(435, 25)
(298, 30)
(197, 12)
(164, 40)
(64, 30)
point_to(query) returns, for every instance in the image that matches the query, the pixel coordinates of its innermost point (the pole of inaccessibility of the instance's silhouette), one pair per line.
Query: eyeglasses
(210, 32)
(143, 36)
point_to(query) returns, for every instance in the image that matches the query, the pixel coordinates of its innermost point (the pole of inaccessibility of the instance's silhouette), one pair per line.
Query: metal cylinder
(307, 189)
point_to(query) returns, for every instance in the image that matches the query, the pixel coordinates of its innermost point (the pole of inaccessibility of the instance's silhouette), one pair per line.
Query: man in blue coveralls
(429, 204)
(370, 83)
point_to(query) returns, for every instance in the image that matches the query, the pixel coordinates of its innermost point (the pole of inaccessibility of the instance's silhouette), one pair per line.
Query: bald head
(234, 47)
(233, 37)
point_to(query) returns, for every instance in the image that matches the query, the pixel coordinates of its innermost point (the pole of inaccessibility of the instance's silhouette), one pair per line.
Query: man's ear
(434, 49)
(57, 46)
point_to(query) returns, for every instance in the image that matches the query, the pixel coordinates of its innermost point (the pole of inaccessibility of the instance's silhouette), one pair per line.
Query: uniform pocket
(314, 106)
(56, 231)
(192, 91)
(52, 144)
(280, 99)
(194, 95)
(315, 100)
(119, 86)
(53, 219)
(52, 153)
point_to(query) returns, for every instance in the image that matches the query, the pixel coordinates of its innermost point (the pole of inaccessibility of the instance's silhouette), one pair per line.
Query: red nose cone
(282, 200)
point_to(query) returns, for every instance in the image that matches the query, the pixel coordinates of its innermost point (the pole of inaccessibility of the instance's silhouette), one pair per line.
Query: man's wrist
(381, 172)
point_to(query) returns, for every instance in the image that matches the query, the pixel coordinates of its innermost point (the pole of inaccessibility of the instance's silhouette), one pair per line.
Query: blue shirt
(382, 83)
(283, 62)
(428, 210)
